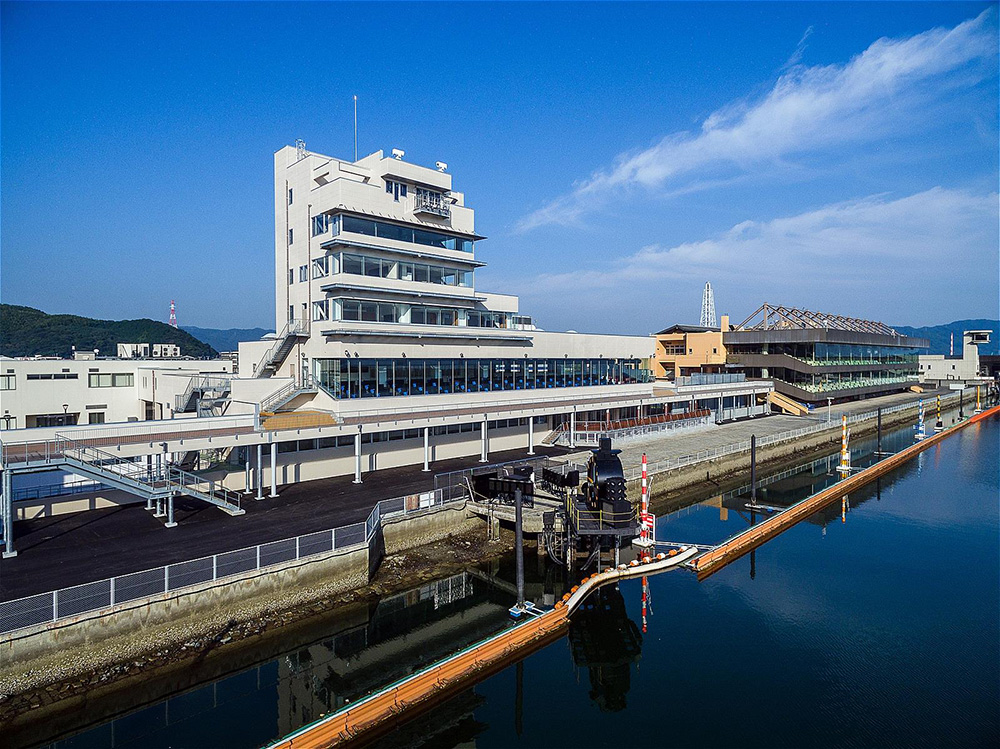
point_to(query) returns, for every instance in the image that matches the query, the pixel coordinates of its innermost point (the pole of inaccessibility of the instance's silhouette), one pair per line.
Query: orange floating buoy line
(745, 542)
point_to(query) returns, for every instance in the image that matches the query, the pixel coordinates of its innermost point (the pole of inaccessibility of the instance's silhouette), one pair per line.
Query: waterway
(877, 625)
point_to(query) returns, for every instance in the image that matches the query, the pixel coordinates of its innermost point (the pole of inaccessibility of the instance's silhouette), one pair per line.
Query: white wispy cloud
(807, 110)
(852, 256)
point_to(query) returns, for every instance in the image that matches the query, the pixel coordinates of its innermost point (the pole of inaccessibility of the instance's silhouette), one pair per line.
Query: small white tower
(708, 308)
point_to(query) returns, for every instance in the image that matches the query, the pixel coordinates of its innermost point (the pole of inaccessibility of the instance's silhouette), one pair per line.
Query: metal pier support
(519, 544)
(274, 469)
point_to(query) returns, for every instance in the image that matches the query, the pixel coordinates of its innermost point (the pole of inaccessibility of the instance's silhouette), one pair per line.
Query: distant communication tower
(173, 314)
(708, 308)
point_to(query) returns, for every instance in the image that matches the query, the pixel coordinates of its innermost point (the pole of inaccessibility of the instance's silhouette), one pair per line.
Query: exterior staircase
(204, 394)
(786, 404)
(140, 479)
(287, 393)
(287, 337)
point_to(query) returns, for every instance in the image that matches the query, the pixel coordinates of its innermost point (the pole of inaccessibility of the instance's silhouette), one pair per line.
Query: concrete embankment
(715, 472)
(66, 661)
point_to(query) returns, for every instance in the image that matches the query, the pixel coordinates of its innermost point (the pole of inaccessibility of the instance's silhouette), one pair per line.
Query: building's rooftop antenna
(173, 313)
(300, 149)
(708, 308)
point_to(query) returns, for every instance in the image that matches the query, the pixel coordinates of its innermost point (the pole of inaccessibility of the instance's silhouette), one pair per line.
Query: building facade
(812, 357)
(376, 298)
(965, 367)
(67, 392)
(684, 350)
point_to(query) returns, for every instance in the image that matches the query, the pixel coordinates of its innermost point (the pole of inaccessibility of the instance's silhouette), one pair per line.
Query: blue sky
(840, 157)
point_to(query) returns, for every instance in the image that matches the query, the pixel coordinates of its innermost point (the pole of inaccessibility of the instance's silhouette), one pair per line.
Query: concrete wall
(157, 382)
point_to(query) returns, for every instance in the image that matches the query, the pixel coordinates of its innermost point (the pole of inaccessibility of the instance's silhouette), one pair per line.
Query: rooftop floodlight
(398, 153)
(440, 165)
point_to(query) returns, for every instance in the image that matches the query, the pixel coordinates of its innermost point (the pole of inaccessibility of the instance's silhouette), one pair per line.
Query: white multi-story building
(378, 308)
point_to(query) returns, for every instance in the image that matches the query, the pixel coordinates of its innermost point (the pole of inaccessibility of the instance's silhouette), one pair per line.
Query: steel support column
(485, 447)
(259, 478)
(274, 469)
(531, 435)
(357, 456)
(8, 516)
(246, 476)
(427, 449)
(572, 429)
(170, 512)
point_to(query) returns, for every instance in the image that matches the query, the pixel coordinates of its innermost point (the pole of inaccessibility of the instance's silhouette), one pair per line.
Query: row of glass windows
(834, 353)
(112, 380)
(384, 230)
(53, 376)
(816, 383)
(413, 314)
(375, 267)
(373, 378)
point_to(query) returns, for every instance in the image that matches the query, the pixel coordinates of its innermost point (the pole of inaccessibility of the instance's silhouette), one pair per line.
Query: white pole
(357, 457)
(427, 449)
(531, 435)
(355, 127)
(485, 446)
(274, 469)
(260, 471)
(572, 429)
(246, 476)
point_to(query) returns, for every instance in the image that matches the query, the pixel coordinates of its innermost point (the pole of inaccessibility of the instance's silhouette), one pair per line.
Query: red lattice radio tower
(173, 314)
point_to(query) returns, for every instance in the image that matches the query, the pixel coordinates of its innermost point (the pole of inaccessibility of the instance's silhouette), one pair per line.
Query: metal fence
(79, 599)
(739, 447)
(623, 435)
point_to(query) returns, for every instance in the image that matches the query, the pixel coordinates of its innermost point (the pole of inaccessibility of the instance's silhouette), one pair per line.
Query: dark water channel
(873, 626)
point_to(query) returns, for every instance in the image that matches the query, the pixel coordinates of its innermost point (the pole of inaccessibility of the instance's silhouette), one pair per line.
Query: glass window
(388, 313)
(392, 231)
(358, 225)
(373, 266)
(369, 311)
(447, 384)
(303, 273)
(291, 276)
(353, 264)
(432, 376)
(436, 274)
(401, 377)
(351, 310)
(369, 378)
(291, 236)
(320, 310)
(384, 374)
(418, 315)
(406, 271)
(464, 278)
(421, 273)
(320, 266)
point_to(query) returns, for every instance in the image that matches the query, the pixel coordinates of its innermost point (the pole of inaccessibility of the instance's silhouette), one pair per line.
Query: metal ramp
(287, 337)
(786, 404)
(143, 480)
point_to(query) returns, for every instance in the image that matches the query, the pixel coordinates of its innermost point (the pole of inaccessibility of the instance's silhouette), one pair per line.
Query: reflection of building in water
(606, 642)
(403, 633)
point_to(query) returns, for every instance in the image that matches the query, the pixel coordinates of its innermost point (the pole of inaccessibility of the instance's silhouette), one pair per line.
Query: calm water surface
(883, 630)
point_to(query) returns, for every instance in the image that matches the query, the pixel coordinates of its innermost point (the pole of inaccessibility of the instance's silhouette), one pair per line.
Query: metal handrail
(432, 202)
(43, 608)
(173, 478)
(203, 383)
(295, 326)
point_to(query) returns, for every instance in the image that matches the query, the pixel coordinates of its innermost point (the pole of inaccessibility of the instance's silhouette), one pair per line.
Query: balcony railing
(432, 203)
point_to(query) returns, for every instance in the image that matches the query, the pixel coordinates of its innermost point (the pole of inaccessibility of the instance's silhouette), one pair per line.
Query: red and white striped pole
(645, 597)
(644, 504)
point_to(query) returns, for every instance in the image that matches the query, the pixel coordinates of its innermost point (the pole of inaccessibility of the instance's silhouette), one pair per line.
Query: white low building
(66, 392)
(939, 369)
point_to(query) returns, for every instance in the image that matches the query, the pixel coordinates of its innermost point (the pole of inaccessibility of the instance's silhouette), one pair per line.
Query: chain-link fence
(79, 599)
